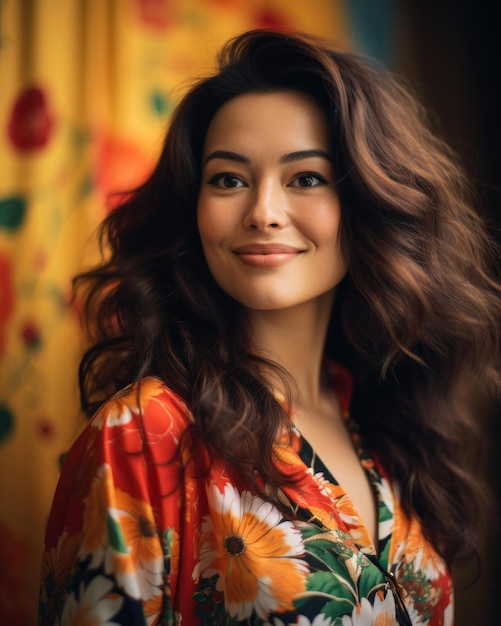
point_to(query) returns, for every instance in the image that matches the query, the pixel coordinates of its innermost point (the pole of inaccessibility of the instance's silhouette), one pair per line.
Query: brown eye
(226, 181)
(309, 180)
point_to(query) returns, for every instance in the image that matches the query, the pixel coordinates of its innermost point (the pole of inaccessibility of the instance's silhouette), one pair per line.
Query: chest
(328, 446)
(240, 557)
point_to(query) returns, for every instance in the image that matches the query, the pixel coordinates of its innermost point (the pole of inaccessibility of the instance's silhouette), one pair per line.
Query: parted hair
(416, 319)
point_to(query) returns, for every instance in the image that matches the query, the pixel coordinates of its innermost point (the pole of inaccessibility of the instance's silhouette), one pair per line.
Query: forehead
(288, 117)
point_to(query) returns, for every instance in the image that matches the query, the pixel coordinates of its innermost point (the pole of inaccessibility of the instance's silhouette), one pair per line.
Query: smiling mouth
(266, 256)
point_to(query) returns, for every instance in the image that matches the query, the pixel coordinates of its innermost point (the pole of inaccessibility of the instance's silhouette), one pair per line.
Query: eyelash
(321, 179)
(217, 178)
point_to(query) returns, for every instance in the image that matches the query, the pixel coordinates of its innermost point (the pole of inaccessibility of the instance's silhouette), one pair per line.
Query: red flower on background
(30, 334)
(45, 428)
(156, 13)
(30, 125)
(271, 20)
(121, 166)
(6, 297)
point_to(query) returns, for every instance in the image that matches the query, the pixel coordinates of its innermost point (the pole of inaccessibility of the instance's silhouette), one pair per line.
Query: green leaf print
(370, 581)
(384, 512)
(167, 542)
(326, 551)
(338, 594)
(344, 574)
(115, 536)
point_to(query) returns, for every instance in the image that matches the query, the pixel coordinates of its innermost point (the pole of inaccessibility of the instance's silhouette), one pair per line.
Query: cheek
(216, 219)
(322, 225)
(215, 228)
(323, 228)
(209, 226)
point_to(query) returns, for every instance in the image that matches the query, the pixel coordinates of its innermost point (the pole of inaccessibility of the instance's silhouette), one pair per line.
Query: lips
(266, 255)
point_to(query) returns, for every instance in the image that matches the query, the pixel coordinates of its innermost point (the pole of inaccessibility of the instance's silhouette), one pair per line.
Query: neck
(294, 338)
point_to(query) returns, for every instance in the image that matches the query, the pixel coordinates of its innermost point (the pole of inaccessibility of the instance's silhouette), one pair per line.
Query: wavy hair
(416, 320)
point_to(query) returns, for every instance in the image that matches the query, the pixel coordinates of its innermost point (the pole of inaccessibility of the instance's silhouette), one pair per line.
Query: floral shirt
(141, 533)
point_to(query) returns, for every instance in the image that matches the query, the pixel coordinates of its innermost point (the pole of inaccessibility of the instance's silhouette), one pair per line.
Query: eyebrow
(290, 157)
(227, 156)
(305, 154)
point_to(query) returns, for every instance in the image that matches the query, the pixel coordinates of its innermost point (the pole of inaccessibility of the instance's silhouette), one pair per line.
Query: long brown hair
(416, 320)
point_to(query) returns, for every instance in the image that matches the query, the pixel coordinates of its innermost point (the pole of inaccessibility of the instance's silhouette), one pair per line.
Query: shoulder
(148, 404)
(145, 420)
(137, 430)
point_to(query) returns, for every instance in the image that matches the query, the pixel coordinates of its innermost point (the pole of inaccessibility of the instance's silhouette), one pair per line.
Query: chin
(264, 305)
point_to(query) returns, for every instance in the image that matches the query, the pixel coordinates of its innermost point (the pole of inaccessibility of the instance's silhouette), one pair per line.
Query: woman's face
(268, 211)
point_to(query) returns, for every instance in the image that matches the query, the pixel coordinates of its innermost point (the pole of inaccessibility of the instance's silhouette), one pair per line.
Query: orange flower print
(412, 548)
(96, 605)
(255, 554)
(152, 608)
(95, 527)
(127, 403)
(115, 412)
(349, 515)
(423, 557)
(58, 562)
(136, 555)
(381, 613)
(323, 484)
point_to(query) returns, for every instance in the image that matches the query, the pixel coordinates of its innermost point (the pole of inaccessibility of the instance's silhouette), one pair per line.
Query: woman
(293, 323)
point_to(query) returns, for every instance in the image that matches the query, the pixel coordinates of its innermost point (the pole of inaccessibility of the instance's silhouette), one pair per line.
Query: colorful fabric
(143, 531)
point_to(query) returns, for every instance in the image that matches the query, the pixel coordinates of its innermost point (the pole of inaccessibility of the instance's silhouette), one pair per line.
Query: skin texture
(269, 196)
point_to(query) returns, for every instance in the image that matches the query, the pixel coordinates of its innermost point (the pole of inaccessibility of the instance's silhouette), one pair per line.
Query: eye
(226, 181)
(306, 180)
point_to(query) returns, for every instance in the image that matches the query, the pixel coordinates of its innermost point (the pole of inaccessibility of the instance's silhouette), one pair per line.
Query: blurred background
(86, 90)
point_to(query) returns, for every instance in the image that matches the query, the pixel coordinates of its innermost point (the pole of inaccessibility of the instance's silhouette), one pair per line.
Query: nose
(267, 208)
